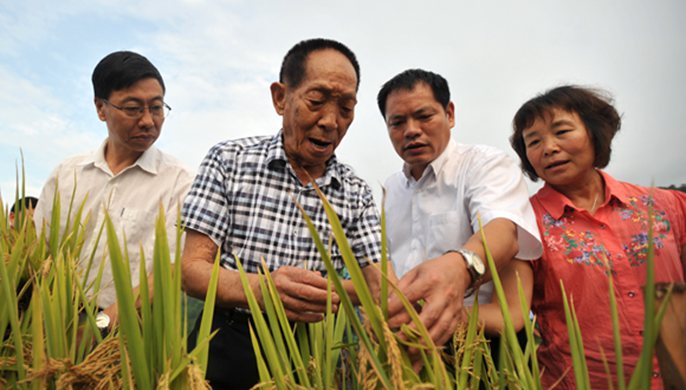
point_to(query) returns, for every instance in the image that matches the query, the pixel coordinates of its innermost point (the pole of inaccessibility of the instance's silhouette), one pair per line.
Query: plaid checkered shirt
(244, 196)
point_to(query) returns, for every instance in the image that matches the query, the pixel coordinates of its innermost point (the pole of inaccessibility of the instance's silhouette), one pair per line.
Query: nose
(329, 119)
(549, 146)
(146, 120)
(412, 129)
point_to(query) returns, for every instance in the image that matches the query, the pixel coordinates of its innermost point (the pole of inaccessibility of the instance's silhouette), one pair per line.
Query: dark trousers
(231, 363)
(494, 342)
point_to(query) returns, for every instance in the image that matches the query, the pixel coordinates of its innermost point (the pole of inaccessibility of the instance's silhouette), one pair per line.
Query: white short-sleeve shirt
(438, 212)
(132, 198)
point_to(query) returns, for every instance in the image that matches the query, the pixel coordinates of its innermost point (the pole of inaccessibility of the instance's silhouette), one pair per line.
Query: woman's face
(559, 148)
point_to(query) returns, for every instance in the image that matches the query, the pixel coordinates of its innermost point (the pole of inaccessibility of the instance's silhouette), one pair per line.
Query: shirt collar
(149, 161)
(276, 160)
(556, 203)
(434, 166)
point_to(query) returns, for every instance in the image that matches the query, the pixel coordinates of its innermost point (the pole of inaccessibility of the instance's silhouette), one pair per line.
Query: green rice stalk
(150, 335)
(202, 348)
(270, 309)
(262, 369)
(13, 314)
(39, 359)
(509, 333)
(575, 344)
(331, 354)
(642, 374)
(265, 338)
(130, 333)
(614, 313)
(530, 353)
(358, 280)
(466, 361)
(281, 327)
(383, 298)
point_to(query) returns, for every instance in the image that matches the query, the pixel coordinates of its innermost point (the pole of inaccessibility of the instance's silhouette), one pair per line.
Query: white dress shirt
(438, 212)
(132, 198)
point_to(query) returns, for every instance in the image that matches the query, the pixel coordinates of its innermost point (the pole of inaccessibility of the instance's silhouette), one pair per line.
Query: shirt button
(631, 294)
(603, 226)
(656, 374)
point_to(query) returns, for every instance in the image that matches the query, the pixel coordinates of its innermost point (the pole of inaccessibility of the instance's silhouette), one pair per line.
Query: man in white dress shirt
(434, 203)
(126, 177)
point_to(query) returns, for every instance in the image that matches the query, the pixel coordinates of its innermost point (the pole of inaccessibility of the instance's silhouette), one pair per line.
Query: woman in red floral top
(590, 224)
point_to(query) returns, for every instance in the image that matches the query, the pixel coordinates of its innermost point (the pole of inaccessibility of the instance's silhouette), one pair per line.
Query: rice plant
(355, 349)
(47, 319)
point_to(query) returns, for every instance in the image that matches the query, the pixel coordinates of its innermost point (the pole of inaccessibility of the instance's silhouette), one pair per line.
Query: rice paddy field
(50, 339)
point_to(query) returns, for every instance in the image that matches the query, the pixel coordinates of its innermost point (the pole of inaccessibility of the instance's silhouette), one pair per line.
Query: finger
(405, 286)
(308, 277)
(304, 316)
(298, 290)
(441, 317)
(398, 319)
(443, 329)
(300, 305)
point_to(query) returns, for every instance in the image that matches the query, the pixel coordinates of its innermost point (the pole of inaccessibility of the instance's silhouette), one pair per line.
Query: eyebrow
(528, 134)
(562, 122)
(139, 100)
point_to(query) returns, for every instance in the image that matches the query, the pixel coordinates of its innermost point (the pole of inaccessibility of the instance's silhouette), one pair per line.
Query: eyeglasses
(158, 110)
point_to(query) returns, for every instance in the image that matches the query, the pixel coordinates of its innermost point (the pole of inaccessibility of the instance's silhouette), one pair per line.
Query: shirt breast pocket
(139, 226)
(442, 233)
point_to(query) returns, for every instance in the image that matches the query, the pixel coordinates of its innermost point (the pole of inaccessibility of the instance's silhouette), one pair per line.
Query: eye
(396, 123)
(133, 110)
(156, 109)
(532, 143)
(563, 131)
(347, 108)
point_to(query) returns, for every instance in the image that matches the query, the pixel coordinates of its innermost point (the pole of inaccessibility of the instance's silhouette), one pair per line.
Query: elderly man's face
(317, 113)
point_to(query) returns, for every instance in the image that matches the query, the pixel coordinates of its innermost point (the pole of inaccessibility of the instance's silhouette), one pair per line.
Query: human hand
(303, 293)
(441, 283)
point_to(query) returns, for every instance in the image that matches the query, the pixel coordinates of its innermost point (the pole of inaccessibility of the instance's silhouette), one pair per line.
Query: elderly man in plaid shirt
(243, 202)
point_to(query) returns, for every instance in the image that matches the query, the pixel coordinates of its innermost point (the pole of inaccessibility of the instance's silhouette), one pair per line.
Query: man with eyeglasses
(126, 177)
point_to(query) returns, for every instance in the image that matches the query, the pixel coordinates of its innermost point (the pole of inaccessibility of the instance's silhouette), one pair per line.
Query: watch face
(102, 320)
(474, 261)
(479, 266)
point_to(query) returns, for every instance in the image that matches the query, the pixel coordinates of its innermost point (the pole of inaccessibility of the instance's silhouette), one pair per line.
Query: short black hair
(593, 106)
(293, 65)
(408, 79)
(29, 202)
(120, 70)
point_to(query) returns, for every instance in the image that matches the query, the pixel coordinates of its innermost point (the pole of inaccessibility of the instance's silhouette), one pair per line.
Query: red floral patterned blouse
(575, 245)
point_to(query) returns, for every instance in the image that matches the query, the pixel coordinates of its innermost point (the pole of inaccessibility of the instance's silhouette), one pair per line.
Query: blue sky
(219, 57)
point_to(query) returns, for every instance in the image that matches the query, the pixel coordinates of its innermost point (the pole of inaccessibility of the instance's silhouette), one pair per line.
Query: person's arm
(442, 281)
(490, 315)
(302, 292)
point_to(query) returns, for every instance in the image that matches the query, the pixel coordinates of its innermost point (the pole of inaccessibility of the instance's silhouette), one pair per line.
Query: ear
(278, 96)
(450, 111)
(99, 108)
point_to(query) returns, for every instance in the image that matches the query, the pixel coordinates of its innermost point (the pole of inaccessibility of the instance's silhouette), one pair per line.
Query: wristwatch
(475, 267)
(102, 321)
